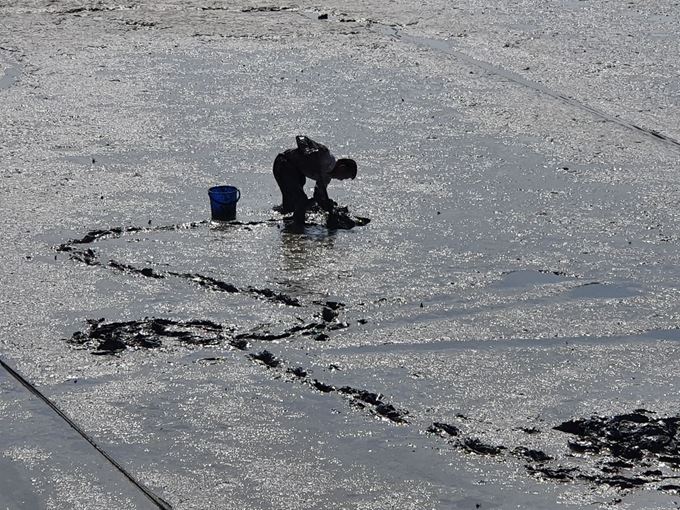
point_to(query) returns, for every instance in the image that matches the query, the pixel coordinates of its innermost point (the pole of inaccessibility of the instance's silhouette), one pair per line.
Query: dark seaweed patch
(632, 436)
(112, 337)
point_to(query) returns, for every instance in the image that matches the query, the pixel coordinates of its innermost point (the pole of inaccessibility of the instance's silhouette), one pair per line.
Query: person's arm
(321, 196)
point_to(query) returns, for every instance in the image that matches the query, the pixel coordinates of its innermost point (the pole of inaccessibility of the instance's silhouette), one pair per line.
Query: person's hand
(327, 205)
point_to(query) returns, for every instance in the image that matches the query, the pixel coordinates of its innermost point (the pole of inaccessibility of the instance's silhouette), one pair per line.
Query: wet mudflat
(502, 334)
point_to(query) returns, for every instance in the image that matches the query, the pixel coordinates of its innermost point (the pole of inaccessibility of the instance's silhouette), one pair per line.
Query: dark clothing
(294, 166)
(291, 183)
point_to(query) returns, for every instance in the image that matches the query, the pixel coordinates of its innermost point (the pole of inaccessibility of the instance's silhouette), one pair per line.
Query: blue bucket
(223, 202)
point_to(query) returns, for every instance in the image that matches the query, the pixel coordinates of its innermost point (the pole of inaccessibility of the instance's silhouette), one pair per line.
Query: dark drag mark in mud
(114, 337)
(625, 451)
(316, 328)
(89, 257)
(111, 338)
(358, 398)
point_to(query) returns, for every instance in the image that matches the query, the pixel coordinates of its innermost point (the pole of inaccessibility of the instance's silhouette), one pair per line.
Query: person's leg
(291, 183)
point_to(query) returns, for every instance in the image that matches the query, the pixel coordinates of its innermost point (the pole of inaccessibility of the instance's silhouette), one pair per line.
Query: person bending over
(308, 160)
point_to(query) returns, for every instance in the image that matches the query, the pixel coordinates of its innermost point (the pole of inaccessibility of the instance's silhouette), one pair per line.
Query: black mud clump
(266, 358)
(328, 314)
(275, 296)
(364, 398)
(322, 387)
(267, 8)
(311, 328)
(559, 473)
(240, 344)
(298, 372)
(143, 271)
(631, 437)
(443, 429)
(340, 219)
(625, 451)
(531, 454)
(87, 255)
(333, 305)
(113, 337)
(474, 445)
(206, 282)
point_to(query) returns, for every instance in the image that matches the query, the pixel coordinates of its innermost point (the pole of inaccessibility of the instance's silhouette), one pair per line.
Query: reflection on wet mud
(299, 252)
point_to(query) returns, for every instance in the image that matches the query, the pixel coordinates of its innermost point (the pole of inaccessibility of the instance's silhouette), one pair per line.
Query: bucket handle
(238, 197)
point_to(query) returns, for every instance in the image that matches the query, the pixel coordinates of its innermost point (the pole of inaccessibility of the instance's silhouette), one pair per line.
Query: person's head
(344, 169)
